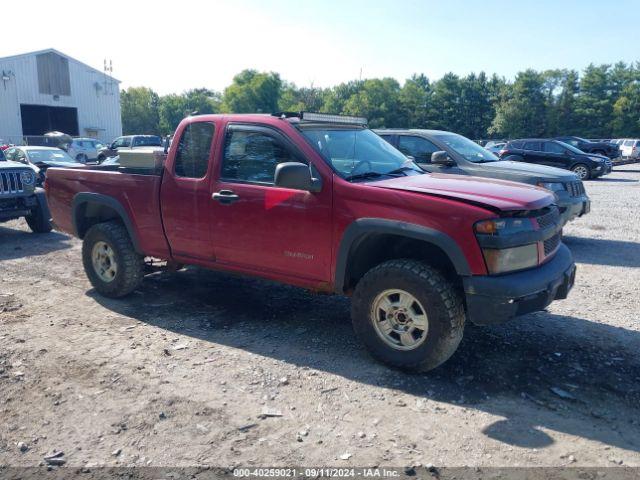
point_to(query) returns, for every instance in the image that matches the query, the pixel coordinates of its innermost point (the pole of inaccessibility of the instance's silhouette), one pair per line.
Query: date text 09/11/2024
(317, 472)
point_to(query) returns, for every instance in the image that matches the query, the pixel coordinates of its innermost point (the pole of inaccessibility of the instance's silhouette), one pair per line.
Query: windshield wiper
(359, 176)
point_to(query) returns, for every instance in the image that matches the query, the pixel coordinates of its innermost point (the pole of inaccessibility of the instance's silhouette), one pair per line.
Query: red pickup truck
(321, 202)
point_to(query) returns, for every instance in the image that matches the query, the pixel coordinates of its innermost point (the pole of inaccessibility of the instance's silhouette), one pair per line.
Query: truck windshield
(468, 149)
(357, 153)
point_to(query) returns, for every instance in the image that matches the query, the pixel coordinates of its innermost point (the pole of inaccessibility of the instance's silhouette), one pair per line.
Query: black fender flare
(362, 227)
(83, 198)
(43, 206)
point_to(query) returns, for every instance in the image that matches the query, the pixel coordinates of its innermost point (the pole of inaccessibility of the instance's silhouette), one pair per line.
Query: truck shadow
(18, 243)
(544, 371)
(600, 251)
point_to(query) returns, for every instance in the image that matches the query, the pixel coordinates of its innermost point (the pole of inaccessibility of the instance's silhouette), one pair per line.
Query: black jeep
(19, 196)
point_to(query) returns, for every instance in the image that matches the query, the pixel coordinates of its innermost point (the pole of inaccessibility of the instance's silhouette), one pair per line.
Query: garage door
(40, 119)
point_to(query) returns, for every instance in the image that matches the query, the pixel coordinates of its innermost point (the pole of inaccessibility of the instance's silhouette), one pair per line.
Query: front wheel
(110, 261)
(408, 315)
(581, 171)
(38, 222)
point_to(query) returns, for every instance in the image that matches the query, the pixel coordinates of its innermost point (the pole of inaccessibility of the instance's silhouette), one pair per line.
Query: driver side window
(419, 148)
(252, 156)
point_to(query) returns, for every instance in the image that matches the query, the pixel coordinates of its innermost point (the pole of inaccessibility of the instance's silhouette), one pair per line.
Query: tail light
(502, 152)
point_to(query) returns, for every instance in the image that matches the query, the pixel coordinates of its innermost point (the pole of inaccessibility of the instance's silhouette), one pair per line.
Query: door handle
(225, 197)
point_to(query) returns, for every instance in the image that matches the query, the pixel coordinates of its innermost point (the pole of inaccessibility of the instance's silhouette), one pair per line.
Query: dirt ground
(180, 373)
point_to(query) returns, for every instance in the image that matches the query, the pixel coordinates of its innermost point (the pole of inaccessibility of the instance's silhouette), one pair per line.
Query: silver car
(84, 149)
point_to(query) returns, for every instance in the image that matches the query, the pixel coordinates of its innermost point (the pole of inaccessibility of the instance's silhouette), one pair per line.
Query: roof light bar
(323, 117)
(328, 118)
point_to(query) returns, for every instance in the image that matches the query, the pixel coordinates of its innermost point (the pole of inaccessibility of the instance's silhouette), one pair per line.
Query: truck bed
(130, 189)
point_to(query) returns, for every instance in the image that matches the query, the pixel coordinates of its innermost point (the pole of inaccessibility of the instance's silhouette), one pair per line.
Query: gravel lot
(179, 373)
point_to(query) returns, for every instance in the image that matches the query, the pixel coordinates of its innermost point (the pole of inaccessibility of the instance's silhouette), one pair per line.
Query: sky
(174, 46)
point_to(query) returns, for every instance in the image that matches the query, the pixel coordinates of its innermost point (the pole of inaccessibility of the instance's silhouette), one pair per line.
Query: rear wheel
(38, 222)
(110, 261)
(581, 171)
(81, 157)
(408, 315)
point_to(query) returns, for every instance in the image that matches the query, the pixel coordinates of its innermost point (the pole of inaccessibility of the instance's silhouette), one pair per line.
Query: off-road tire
(130, 264)
(442, 302)
(38, 222)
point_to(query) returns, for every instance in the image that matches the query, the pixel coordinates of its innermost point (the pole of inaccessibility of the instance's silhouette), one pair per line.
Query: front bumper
(496, 299)
(573, 207)
(604, 169)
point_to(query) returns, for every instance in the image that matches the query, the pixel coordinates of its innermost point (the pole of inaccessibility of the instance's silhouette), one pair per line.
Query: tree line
(603, 101)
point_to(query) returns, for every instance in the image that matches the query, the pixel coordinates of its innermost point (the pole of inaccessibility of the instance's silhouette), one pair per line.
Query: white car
(630, 148)
(84, 149)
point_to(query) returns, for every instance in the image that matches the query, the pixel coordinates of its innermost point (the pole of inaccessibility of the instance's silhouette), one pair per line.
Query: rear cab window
(194, 150)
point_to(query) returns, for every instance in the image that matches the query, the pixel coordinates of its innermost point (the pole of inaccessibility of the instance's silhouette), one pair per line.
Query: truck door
(258, 226)
(186, 201)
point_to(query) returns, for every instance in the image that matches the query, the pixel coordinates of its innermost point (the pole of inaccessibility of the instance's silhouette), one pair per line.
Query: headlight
(511, 259)
(28, 178)
(504, 226)
(553, 186)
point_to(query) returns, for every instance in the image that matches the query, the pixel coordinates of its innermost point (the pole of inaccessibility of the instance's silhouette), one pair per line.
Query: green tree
(294, 99)
(626, 112)
(174, 108)
(445, 104)
(414, 102)
(377, 100)
(594, 104)
(336, 98)
(476, 107)
(565, 106)
(139, 110)
(252, 92)
(521, 111)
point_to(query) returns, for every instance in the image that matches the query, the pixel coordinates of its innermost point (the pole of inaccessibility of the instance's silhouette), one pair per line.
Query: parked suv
(630, 148)
(19, 196)
(554, 153)
(84, 149)
(322, 202)
(438, 151)
(606, 149)
(129, 142)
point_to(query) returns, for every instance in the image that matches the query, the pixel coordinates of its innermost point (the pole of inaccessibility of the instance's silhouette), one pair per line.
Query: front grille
(551, 244)
(575, 189)
(10, 183)
(549, 218)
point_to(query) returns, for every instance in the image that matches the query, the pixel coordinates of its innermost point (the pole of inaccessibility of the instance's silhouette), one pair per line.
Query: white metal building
(47, 90)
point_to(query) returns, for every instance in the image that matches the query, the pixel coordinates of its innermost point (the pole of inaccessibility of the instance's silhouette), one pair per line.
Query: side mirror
(297, 176)
(442, 158)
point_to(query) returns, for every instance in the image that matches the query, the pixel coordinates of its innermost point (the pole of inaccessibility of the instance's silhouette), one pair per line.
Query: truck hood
(520, 172)
(6, 164)
(495, 194)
